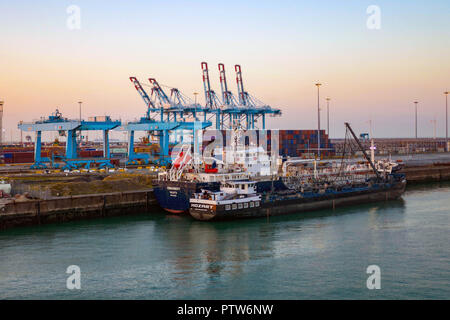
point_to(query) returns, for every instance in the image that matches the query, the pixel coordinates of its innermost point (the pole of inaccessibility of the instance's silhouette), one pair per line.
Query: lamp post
(372, 143)
(446, 120)
(318, 118)
(415, 103)
(80, 102)
(81, 133)
(1, 123)
(328, 117)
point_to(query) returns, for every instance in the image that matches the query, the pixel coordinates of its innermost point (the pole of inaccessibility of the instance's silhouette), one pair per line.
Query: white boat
(5, 187)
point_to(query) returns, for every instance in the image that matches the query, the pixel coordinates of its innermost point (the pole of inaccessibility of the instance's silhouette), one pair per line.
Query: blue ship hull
(273, 204)
(173, 196)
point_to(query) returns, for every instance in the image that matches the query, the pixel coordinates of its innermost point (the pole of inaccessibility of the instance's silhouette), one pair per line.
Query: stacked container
(295, 143)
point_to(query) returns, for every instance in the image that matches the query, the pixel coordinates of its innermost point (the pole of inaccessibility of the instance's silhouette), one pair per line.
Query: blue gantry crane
(176, 112)
(212, 101)
(231, 113)
(56, 122)
(252, 108)
(164, 115)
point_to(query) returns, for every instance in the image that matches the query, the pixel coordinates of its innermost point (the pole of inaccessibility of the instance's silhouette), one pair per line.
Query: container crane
(165, 104)
(212, 102)
(177, 98)
(240, 86)
(211, 99)
(178, 109)
(231, 109)
(143, 95)
(159, 104)
(159, 94)
(254, 108)
(189, 108)
(227, 96)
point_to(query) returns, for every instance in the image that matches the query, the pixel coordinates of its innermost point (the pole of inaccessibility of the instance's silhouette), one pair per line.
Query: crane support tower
(166, 115)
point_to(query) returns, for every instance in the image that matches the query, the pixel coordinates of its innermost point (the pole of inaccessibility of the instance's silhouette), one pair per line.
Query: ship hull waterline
(173, 196)
(303, 205)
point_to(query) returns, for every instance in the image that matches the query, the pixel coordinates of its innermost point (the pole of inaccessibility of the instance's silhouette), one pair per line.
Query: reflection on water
(319, 254)
(224, 248)
(427, 186)
(215, 250)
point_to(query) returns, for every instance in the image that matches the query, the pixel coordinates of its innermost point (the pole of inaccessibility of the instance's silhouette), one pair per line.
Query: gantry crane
(164, 115)
(246, 109)
(70, 128)
(175, 112)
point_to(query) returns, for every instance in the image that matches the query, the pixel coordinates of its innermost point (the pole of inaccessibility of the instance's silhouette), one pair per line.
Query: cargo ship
(328, 180)
(240, 199)
(174, 196)
(175, 187)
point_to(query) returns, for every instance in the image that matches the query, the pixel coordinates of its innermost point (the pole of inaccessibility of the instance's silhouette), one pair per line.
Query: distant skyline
(284, 48)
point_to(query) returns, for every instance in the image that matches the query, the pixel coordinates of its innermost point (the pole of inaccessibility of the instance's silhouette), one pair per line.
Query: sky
(284, 48)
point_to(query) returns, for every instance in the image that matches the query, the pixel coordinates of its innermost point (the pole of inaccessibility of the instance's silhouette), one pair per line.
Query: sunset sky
(284, 47)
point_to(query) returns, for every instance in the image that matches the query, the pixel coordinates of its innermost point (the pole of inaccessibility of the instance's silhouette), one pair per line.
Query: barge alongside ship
(230, 192)
(174, 195)
(240, 200)
(175, 187)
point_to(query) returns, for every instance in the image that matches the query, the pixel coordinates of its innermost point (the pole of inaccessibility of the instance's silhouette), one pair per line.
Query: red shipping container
(96, 153)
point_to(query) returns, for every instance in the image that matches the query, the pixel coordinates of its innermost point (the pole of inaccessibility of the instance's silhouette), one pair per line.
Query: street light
(81, 133)
(415, 103)
(318, 118)
(328, 116)
(446, 121)
(1, 123)
(80, 102)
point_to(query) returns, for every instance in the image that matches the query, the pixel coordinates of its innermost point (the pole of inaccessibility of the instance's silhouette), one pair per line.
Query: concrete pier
(60, 209)
(35, 212)
(427, 173)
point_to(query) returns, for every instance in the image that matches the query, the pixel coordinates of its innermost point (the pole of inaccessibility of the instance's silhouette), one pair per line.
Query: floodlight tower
(415, 103)
(1, 122)
(446, 120)
(318, 118)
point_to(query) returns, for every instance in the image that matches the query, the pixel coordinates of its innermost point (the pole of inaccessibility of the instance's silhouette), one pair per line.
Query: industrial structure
(243, 112)
(164, 115)
(70, 128)
(1, 123)
(168, 112)
(176, 112)
(395, 146)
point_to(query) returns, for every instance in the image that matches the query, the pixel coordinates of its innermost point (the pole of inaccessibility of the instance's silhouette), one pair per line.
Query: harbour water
(320, 255)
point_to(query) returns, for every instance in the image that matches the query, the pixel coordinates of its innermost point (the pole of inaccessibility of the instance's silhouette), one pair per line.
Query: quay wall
(427, 174)
(35, 212)
(42, 211)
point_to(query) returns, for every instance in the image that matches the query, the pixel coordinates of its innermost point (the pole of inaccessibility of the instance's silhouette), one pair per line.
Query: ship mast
(363, 151)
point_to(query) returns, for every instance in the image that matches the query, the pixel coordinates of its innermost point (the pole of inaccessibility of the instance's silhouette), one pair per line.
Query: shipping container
(96, 154)
(119, 150)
